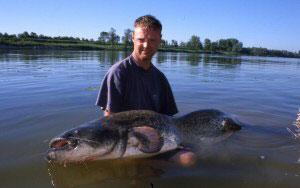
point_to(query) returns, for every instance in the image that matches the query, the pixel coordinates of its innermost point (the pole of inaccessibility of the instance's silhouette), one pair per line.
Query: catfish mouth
(60, 144)
(63, 144)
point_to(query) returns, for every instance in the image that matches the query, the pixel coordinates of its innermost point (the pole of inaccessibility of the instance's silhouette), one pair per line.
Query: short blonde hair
(149, 22)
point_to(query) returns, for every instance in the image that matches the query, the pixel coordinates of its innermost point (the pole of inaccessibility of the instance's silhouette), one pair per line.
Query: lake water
(44, 93)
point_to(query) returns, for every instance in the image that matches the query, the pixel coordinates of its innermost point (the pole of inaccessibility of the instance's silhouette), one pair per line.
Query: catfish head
(90, 143)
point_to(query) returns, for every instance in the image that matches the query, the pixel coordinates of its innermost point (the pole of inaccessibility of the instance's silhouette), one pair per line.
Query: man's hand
(106, 113)
(185, 158)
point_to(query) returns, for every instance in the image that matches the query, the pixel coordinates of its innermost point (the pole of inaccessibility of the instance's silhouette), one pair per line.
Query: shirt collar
(132, 61)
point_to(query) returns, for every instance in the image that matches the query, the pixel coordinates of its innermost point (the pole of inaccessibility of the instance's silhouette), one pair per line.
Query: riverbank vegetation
(111, 41)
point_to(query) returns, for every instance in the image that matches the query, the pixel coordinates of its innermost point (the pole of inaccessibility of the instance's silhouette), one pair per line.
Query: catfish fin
(150, 140)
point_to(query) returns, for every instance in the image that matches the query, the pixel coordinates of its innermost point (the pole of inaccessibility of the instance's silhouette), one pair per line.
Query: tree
(174, 43)
(1, 37)
(207, 45)
(24, 35)
(44, 37)
(164, 43)
(127, 38)
(33, 35)
(104, 37)
(237, 47)
(222, 44)
(214, 46)
(230, 45)
(113, 37)
(182, 44)
(195, 43)
(233, 44)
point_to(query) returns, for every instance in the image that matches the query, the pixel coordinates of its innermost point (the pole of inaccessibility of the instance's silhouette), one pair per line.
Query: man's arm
(169, 104)
(110, 93)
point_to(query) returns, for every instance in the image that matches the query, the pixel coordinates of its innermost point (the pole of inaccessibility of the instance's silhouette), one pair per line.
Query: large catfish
(137, 134)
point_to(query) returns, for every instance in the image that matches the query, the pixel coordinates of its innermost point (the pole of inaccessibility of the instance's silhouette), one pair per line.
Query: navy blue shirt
(126, 86)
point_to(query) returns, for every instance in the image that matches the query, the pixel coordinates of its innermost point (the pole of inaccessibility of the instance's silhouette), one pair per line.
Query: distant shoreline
(111, 41)
(69, 46)
(29, 45)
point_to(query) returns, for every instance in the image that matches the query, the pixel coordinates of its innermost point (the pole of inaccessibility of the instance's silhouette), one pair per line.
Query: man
(135, 83)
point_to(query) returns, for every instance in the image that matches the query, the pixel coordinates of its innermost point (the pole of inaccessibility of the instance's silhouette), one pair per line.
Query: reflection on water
(111, 56)
(190, 58)
(226, 62)
(45, 92)
(116, 173)
(173, 57)
(30, 56)
(161, 57)
(194, 59)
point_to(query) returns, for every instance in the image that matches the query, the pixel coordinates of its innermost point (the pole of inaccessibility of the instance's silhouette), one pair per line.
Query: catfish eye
(73, 143)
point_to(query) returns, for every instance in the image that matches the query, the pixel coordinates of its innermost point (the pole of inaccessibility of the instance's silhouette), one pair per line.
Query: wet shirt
(127, 86)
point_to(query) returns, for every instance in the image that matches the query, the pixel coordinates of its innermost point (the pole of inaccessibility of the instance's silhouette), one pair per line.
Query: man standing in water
(136, 84)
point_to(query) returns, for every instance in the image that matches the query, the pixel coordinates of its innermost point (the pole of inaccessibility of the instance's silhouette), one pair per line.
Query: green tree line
(111, 40)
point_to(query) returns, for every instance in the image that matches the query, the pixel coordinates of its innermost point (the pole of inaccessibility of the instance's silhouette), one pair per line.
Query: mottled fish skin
(206, 126)
(135, 118)
(125, 134)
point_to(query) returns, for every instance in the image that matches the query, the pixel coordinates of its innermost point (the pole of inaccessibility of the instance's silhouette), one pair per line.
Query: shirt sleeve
(169, 106)
(110, 93)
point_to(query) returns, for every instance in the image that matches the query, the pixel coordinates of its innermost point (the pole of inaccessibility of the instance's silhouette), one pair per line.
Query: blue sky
(274, 24)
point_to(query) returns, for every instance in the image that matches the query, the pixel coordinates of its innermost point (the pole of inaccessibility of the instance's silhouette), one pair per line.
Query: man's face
(146, 42)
